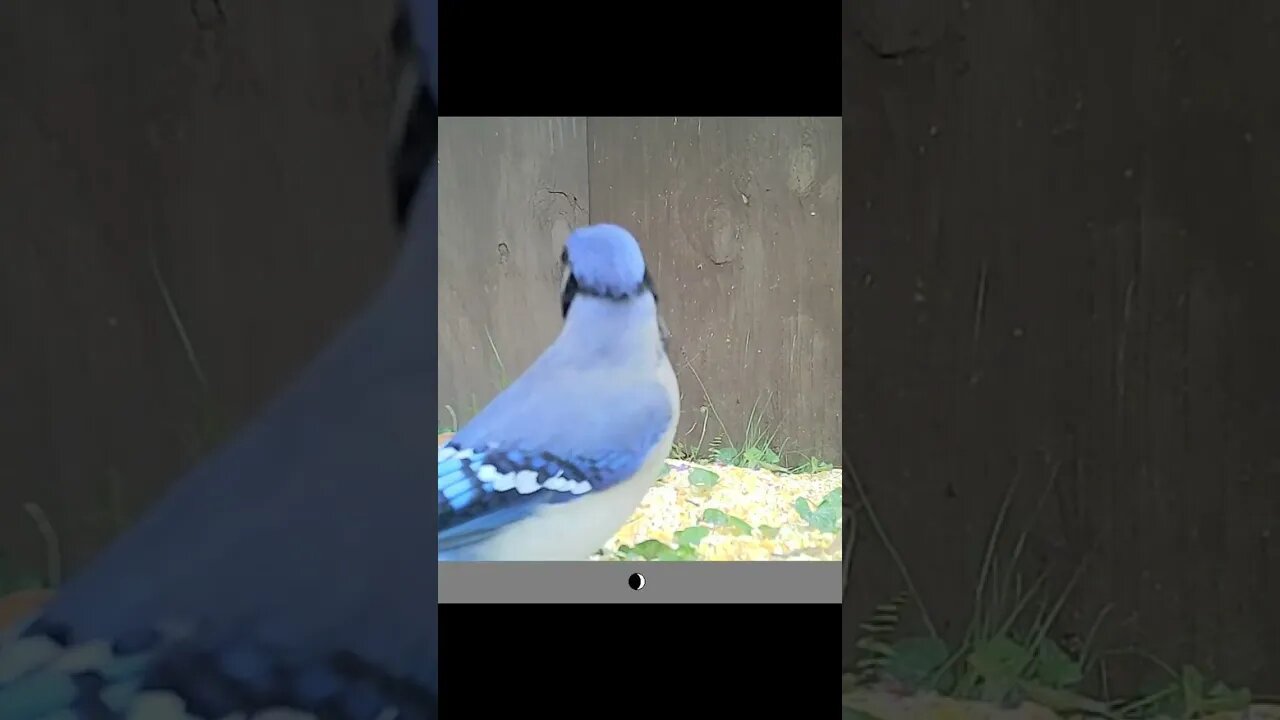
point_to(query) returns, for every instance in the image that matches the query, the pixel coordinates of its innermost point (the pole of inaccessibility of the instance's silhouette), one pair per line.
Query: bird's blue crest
(606, 260)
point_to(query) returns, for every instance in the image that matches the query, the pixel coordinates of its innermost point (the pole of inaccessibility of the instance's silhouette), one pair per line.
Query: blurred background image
(194, 202)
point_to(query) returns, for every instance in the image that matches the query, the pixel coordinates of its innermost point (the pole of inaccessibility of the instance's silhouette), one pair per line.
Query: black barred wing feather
(168, 673)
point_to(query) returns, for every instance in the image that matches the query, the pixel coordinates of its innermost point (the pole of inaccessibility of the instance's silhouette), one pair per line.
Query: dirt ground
(880, 705)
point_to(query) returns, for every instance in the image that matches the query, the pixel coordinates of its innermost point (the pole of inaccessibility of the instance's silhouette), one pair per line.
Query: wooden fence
(739, 220)
(171, 169)
(1064, 252)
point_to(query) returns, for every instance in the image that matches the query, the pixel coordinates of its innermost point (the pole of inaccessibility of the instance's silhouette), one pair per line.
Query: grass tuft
(1009, 654)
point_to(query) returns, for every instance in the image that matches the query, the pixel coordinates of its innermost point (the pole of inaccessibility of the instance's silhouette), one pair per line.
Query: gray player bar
(660, 582)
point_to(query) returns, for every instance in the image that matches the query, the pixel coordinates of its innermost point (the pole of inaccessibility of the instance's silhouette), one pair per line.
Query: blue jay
(285, 572)
(556, 463)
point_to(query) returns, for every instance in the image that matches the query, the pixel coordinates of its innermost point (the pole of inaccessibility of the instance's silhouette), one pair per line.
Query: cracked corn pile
(719, 512)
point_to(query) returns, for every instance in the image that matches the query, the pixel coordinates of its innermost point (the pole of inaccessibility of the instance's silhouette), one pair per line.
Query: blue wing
(502, 466)
(174, 672)
(482, 491)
